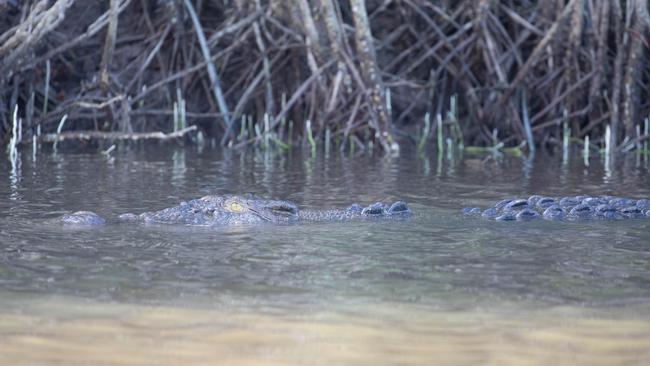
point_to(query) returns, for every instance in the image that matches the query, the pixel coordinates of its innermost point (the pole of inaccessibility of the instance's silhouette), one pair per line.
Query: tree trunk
(311, 32)
(618, 71)
(634, 65)
(371, 76)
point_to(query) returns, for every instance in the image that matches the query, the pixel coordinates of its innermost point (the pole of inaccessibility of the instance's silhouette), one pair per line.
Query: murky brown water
(67, 331)
(437, 288)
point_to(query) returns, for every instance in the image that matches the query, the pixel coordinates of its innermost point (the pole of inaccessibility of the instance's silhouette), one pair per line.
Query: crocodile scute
(570, 208)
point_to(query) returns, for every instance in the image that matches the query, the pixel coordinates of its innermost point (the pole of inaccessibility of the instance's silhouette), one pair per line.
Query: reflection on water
(435, 287)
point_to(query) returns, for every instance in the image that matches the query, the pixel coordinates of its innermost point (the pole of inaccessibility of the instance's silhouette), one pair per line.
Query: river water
(436, 288)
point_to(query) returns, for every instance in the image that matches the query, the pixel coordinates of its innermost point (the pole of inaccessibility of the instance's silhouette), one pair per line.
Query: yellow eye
(236, 207)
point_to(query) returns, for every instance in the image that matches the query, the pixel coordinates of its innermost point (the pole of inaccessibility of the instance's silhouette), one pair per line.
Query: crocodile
(224, 210)
(564, 208)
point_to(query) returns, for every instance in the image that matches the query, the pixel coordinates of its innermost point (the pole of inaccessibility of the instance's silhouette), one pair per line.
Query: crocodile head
(225, 210)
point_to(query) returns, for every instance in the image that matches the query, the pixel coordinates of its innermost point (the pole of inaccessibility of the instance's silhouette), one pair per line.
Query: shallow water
(437, 287)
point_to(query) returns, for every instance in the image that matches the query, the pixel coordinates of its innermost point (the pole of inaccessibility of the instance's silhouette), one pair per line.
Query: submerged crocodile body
(564, 208)
(227, 210)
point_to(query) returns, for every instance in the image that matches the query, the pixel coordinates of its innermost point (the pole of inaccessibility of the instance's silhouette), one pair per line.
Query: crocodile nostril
(375, 209)
(399, 208)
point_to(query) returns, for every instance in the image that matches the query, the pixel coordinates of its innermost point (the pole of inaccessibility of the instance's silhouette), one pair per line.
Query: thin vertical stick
(585, 152)
(310, 138)
(637, 144)
(439, 132)
(267, 131)
(175, 118)
(425, 132)
(283, 120)
(58, 129)
(47, 93)
(645, 143)
(290, 135)
(15, 138)
(258, 133)
(20, 129)
(47, 85)
(526, 121)
(179, 111)
(242, 128)
(608, 136)
(453, 108)
(34, 147)
(566, 135)
(212, 71)
(453, 116)
(646, 133)
(389, 104)
(328, 139)
(11, 148)
(30, 109)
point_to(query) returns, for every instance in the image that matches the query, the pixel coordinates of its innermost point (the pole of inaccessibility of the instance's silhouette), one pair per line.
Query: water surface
(434, 287)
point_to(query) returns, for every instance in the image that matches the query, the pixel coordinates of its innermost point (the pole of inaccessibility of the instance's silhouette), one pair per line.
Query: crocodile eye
(236, 207)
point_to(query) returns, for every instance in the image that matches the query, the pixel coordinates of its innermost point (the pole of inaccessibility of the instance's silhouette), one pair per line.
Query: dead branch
(115, 136)
(38, 24)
